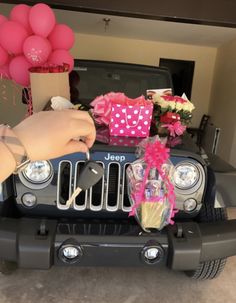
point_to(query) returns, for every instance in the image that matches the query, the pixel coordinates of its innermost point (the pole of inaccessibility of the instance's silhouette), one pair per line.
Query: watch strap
(16, 148)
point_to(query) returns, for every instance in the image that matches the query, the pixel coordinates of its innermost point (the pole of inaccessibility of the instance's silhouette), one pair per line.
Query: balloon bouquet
(30, 38)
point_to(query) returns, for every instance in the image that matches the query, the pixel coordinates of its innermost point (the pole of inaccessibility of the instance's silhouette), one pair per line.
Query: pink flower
(174, 98)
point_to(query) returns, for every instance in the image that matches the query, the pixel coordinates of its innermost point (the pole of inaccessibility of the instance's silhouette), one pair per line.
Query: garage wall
(149, 52)
(232, 158)
(12, 111)
(223, 100)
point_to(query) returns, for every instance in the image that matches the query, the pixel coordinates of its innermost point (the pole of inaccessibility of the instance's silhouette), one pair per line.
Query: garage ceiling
(143, 29)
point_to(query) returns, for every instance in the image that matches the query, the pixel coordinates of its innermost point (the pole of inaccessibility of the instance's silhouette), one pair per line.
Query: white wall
(223, 100)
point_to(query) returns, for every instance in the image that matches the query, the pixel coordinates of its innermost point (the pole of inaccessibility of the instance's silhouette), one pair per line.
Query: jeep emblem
(114, 158)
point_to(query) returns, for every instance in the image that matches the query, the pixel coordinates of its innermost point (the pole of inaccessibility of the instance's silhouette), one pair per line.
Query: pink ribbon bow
(175, 129)
(102, 106)
(101, 110)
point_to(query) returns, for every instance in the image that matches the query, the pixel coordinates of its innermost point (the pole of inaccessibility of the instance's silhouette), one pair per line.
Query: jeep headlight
(38, 172)
(186, 175)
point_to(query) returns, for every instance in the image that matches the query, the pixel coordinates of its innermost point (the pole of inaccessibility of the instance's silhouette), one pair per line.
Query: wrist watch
(15, 147)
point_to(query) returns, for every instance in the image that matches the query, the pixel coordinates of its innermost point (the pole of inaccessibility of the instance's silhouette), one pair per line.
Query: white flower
(171, 104)
(165, 104)
(188, 106)
(179, 106)
(160, 101)
(60, 103)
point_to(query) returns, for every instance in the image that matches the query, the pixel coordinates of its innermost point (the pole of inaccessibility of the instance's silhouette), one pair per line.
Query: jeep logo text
(114, 158)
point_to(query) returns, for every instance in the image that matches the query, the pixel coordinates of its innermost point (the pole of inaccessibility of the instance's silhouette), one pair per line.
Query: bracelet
(15, 147)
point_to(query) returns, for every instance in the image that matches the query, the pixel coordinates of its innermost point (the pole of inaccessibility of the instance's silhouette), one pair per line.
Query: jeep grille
(109, 194)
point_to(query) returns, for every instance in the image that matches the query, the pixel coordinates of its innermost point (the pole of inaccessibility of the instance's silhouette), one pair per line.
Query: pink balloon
(20, 14)
(19, 70)
(62, 37)
(37, 50)
(12, 37)
(42, 19)
(60, 56)
(4, 72)
(2, 19)
(3, 56)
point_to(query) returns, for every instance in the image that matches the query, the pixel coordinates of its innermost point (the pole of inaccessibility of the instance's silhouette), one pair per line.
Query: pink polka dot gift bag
(125, 116)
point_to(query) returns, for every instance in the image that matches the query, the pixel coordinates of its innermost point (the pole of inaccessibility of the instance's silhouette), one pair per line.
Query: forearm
(43, 136)
(7, 162)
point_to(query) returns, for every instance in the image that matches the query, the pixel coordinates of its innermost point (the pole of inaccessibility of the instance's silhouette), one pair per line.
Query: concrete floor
(101, 285)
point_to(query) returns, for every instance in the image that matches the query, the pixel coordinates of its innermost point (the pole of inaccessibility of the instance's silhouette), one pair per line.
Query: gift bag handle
(126, 118)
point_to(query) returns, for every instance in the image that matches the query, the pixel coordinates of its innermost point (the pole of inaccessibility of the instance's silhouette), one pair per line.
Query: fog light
(29, 200)
(70, 252)
(152, 253)
(190, 205)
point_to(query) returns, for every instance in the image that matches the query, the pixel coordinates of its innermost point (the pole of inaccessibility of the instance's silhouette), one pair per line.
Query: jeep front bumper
(181, 247)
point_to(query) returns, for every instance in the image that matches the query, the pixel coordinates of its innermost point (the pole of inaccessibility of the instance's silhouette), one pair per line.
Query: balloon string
(28, 97)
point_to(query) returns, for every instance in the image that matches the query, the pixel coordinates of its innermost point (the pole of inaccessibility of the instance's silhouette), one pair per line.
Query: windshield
(98, 77)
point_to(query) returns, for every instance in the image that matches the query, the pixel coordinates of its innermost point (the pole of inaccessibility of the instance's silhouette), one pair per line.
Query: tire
(7, 267)
(210, 269)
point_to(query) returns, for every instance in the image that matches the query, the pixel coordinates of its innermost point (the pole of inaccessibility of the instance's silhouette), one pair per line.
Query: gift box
(131, 120)
(48, 83)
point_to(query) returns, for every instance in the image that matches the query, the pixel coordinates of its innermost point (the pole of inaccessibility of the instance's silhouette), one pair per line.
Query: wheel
(210, 269)
(7, 267)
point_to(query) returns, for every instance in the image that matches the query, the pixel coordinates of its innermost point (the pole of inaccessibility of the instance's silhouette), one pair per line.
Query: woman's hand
(51, 134)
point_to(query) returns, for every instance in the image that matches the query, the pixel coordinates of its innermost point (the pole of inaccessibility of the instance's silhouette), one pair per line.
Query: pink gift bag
(124, 141)
(131, 120)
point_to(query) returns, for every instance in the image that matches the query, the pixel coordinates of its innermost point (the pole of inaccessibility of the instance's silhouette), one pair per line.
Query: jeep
(38, 231)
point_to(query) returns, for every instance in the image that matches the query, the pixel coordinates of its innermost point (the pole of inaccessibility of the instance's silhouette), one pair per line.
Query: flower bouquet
(171, 114)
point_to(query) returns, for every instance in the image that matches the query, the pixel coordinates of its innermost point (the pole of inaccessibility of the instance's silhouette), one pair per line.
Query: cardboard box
(44, 86)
